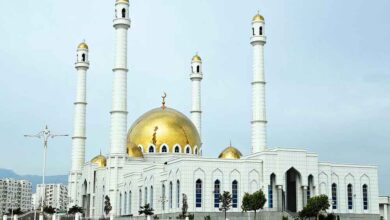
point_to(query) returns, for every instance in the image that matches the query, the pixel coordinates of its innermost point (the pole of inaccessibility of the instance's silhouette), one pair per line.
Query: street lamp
(163, 200)
(45, 134)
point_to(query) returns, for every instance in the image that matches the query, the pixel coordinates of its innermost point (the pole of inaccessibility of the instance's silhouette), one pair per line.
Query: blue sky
(327, 72)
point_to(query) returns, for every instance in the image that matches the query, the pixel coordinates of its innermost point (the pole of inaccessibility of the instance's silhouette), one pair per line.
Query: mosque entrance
(292, 177)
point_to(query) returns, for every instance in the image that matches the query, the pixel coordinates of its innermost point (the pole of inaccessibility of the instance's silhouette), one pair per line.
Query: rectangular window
(198, 193)
(334, 196)
(216, 193)
(350, 202)
(235, 194)
(270, 197)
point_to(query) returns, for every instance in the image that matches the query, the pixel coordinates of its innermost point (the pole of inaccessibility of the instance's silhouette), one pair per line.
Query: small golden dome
(99, 160)
(122, 1)
(162, 126)
(196, 58)
(258, 18)
(82, 45)
(230, 153)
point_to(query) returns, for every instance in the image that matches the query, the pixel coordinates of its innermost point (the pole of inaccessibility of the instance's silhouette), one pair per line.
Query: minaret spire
(196, 77)
(259, 121)
(118, 130)
(79, 136)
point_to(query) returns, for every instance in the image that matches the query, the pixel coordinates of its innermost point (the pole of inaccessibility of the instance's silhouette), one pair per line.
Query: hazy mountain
(34, 179)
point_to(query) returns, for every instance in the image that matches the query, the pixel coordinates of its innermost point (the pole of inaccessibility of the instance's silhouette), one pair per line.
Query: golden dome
(162, 126)
(196, 58)
(122, 1)
(257, 18)
(82, 45)
(99, 160)
(134, 151)
(230, 153)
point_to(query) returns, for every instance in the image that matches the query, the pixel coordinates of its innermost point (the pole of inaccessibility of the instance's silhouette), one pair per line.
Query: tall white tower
(78, 139)
(196, 77)
(119, 102)
(119, 87)
(259, 121)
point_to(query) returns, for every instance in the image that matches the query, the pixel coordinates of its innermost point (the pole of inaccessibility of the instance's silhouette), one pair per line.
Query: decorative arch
(164, 148)
(196, 150)
(177, 149)
(141, 148)
(151, 148)
(188, 149)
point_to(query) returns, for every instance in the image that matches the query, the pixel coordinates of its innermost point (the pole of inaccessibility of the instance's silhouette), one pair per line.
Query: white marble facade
(288, 177)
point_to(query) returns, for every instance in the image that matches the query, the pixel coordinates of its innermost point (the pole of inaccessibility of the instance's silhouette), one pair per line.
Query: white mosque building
(159, 157)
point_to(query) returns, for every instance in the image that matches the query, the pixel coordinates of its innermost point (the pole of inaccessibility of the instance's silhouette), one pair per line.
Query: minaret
(119, 86)
(118, 113)
(196, 77)
(78, 139)
(259, 121)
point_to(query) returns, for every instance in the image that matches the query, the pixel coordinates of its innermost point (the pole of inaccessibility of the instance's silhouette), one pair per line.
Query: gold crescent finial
(163, 100)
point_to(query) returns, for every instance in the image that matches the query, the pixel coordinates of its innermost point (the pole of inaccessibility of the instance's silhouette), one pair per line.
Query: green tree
(49, 210)
(226, 200)
(315, 207)
(107, 205)
(184, 208)
(253, 202)
(75, 209)
(146, 210)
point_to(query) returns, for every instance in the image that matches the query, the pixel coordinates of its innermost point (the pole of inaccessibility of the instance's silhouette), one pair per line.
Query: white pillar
(196, 77)
(79, 137)
(385, 215)
(4, 217)
(15, 217)
(259, 121)
(118, 130)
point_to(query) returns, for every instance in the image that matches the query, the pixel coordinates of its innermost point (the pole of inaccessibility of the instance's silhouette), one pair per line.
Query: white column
(385, 215)
(196, 77)
(259, 121)
(119, 87)
(118, 130)
(79, 137)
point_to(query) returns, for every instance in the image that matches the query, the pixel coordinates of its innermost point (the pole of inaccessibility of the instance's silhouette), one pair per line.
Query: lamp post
(163, 200)
(45, 134)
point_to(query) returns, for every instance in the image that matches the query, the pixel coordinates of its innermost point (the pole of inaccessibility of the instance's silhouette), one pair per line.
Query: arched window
(170, 194)
(261, 30)
(196, 150)
(334, 196)
(310, 186)
(120, 204)
(151, 197)
(125, 204)
(164, 149)
(141, 148)
(83, 57)
(349, 192)
(123, 13)
(187, 150)
(163, 197)
(151, 149)
(217, 187)
(234, 194)
(146, 195)
(140, 198)
(198, 193)
(178, 194)
(365, 197)
(197, 68)
(130, 197)
(253, 31)
(177, 149)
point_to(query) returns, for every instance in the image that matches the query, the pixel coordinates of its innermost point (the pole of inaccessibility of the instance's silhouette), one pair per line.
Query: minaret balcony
(258, 39)
(124, 22)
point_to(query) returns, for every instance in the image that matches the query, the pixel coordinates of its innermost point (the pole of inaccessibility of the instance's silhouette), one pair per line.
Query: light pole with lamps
(45, 134)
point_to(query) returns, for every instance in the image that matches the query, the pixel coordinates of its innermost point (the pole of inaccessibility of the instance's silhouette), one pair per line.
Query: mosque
(159, 157)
